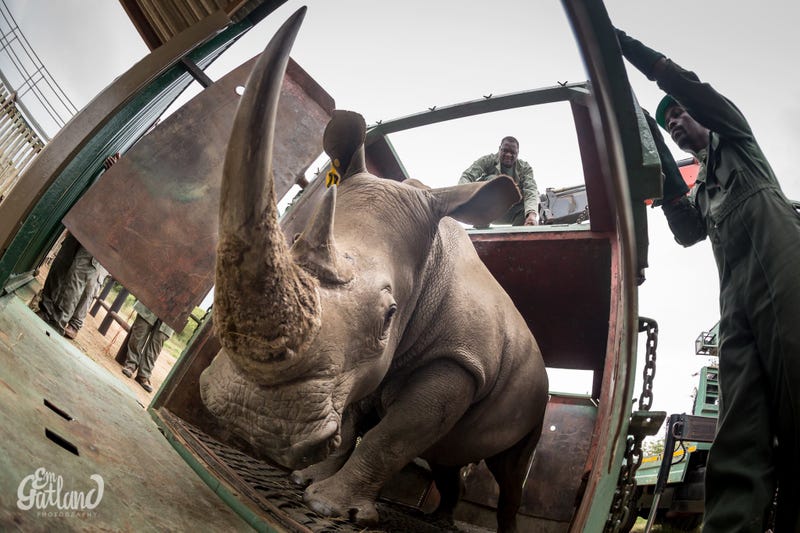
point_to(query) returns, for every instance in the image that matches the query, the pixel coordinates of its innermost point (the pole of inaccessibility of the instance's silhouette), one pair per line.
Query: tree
(652, 446)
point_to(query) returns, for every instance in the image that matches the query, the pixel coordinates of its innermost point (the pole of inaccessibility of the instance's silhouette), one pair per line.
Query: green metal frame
(40, 229)
(706, 402)
(626, 159)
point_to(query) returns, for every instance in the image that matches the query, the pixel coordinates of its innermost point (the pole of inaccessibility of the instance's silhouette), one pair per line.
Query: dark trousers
(757, 446)
(144, 345)
(71, 283)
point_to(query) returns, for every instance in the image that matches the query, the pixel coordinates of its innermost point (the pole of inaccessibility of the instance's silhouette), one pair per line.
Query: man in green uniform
(755, 234)
(74, 279)
(506, 161)
(148, 335)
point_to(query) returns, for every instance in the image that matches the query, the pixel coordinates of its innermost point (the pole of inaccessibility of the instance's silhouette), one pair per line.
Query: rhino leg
(509, 468)
(430, 403)
(332, 464)
(450, 487)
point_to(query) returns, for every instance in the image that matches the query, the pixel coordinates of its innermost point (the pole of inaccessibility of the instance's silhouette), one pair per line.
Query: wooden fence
(19, 144)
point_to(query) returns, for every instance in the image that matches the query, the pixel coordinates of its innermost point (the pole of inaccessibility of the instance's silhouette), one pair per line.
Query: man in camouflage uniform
(755, 234)
(72, 282)
(148, 335)
(505, 161)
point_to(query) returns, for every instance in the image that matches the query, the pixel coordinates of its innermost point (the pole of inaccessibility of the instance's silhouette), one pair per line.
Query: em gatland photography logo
(43, 491)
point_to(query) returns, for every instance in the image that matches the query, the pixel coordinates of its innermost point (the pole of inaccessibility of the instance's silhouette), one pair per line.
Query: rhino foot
(315, 473)
(301, 478)
(328, 499)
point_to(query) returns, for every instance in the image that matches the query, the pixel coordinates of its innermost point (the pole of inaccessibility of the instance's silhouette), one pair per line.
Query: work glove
(674, 184)
(639, 55)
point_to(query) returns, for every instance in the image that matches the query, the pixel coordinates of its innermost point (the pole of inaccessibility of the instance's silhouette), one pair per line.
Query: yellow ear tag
(332, 177)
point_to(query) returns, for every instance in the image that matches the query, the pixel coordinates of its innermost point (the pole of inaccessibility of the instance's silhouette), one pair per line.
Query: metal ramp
(67, 415)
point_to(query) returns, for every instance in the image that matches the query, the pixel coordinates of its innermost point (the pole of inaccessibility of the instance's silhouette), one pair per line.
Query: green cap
(661, 110)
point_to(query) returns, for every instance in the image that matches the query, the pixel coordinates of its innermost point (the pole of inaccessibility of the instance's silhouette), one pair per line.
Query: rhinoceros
(379, 321)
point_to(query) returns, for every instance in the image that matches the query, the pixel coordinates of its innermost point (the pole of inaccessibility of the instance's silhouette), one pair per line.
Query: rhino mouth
(294, 424)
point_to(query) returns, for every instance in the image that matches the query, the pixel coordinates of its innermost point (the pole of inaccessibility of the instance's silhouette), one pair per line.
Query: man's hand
(110, 160)
(532, 219)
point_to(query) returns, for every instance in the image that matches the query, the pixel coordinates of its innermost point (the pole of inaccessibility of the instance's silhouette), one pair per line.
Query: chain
(649, 373)
(584, 216)
(626, 485)
(621, 507)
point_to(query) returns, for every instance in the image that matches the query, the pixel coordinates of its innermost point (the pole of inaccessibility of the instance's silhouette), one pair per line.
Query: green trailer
(676, 486)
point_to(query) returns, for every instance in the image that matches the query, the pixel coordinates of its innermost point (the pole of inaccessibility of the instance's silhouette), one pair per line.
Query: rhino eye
(389, 314)
(387, 319)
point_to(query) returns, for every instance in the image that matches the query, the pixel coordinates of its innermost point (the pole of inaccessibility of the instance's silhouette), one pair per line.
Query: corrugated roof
(157, 21)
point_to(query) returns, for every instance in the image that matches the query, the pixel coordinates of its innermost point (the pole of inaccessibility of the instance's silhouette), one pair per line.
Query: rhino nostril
(335, 442)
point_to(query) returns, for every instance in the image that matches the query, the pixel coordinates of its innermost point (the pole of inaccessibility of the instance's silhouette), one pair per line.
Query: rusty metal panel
(557, 280)
(151, 219)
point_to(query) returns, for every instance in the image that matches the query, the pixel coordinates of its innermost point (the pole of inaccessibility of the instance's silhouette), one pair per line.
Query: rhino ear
(477, 203)
(315, 249)
(343, 141)
(411, 182)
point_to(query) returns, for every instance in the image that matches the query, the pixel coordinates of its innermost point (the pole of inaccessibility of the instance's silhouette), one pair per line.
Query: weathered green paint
(648, 471)
(706, 402)
(146, 484)
(233, 501)
(562, 93)
(626, 157)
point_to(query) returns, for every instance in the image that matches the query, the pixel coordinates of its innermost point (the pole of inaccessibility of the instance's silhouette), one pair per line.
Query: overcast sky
(392, 59)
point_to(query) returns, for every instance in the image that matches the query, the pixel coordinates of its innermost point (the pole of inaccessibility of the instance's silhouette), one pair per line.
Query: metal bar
(40, 69)
(197, 73)
(114, 309)
(613, 103)
(102, 296)
(119, 319)
(663, 471)
(694, 428)
(570, 92)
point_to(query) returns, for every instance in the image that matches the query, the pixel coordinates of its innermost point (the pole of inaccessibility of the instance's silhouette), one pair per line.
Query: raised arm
(701, 100)
(683, 217)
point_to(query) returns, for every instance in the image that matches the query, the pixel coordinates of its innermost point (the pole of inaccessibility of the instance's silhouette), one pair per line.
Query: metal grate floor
(281, 502)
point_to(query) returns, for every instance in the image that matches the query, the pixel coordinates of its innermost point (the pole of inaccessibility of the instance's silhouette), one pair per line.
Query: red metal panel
(151, 219)
(561, 284)
(555, 476)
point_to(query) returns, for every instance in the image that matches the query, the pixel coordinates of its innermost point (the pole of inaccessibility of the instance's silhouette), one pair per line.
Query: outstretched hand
(639, 55)
(622, 38)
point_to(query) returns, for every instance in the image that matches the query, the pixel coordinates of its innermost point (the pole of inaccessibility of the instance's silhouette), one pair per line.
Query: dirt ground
(104, 348)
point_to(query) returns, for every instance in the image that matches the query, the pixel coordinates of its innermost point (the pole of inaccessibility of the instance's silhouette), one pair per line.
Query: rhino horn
(315, 249)
(266, 308)
(343, 141)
